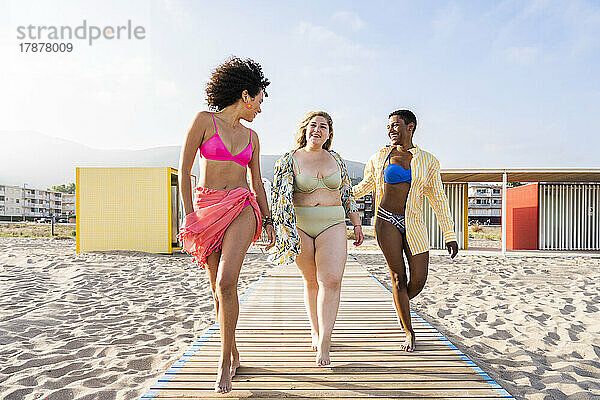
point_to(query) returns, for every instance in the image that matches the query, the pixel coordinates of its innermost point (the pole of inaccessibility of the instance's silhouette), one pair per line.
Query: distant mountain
(42, 161)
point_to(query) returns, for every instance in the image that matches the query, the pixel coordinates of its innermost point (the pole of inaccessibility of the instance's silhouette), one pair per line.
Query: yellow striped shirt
(425, 180)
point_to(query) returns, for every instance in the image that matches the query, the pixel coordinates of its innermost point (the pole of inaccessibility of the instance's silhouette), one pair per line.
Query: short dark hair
(231, 78)
(407, 116)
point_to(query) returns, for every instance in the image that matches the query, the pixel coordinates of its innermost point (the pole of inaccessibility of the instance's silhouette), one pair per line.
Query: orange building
(522, 217)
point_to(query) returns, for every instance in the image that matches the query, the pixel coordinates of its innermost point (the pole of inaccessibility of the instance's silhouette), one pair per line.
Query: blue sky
(493, 84)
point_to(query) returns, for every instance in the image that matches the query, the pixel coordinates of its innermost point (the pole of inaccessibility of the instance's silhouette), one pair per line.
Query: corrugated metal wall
(569, 216)
(457, 198)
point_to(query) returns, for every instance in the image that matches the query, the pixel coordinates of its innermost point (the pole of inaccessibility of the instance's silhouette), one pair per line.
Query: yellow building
(128, 209)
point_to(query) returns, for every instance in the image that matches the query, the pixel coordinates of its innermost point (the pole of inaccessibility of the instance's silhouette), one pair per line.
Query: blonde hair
(300, 134)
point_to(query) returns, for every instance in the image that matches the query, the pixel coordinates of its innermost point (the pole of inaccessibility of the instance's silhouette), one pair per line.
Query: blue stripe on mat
(176, 367)
(448, 343)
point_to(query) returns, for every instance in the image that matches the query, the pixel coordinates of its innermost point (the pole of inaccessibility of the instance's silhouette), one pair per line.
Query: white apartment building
(365, 209)
(485, 203)
(21, 203)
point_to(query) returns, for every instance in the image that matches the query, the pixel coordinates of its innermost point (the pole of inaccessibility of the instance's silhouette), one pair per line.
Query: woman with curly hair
(311, 197)
(225, 216)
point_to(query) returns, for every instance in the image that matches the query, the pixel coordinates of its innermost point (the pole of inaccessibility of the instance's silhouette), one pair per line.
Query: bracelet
(267, 221)
(357, 225)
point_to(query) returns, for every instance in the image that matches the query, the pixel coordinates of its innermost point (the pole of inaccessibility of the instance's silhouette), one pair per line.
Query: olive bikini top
(305, 183)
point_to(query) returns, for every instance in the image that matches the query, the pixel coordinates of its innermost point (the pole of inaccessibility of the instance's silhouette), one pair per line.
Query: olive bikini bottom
(314, 220)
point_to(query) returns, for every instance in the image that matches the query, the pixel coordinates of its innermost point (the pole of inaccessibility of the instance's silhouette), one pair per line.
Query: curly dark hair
(231, 78)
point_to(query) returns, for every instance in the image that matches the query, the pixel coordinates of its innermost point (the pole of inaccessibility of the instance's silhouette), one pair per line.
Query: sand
(97, 325)
(108, 325)
(532, 323)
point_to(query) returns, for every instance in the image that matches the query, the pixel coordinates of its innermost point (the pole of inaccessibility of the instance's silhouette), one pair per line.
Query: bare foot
(322, 358)
(235, 361)
(315, 339)
(223, 382)
(409, 343)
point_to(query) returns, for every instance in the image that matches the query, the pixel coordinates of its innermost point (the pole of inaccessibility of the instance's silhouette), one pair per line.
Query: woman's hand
(452, 248)
(358, 235)
(271, 235)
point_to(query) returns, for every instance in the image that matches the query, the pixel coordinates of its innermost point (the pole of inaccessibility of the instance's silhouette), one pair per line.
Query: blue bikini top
(394, 173)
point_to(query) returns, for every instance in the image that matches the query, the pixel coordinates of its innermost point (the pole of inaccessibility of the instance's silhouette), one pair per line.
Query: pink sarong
(204, 228)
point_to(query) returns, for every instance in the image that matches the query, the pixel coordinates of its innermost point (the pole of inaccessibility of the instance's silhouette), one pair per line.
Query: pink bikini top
(214, 149)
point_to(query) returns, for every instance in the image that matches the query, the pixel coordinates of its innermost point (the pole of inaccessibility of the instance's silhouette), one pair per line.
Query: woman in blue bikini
(400, 175)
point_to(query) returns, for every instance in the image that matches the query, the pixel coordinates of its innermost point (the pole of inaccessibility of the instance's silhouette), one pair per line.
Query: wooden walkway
(273, 338)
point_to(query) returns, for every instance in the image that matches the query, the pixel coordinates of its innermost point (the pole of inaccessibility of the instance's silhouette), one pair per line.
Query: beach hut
(559, 210)
(128, 209)
(553, 216)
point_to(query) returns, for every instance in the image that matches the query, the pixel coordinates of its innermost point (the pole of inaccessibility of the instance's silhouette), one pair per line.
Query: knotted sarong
(214, 210)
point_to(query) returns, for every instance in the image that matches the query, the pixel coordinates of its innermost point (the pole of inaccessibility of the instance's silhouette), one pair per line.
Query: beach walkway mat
(273, 338)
